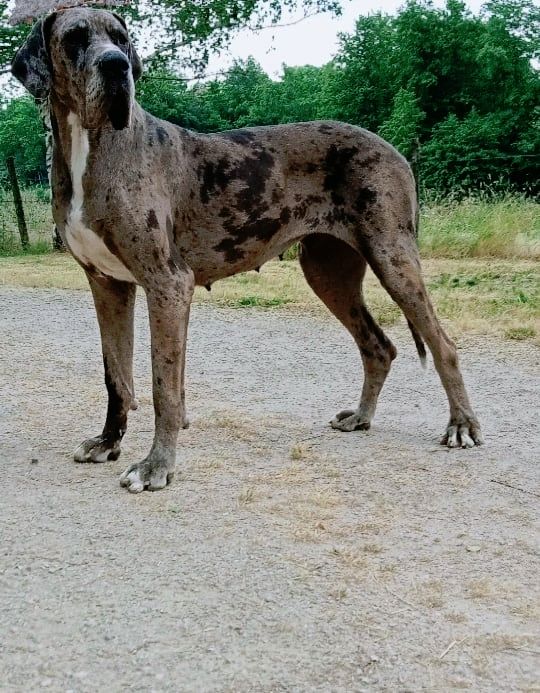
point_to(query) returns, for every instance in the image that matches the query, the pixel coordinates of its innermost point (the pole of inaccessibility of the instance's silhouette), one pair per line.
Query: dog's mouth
(119, 110)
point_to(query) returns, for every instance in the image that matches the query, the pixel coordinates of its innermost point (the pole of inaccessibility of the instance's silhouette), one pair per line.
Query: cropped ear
(136, 63)
(31, 64)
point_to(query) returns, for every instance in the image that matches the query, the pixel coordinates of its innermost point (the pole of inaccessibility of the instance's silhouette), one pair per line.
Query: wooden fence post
(21, 221)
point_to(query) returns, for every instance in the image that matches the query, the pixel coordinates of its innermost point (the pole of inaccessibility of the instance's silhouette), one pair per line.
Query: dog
(139, 201)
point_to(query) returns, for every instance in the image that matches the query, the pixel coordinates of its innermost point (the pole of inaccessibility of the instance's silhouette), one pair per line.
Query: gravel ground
(286, 556)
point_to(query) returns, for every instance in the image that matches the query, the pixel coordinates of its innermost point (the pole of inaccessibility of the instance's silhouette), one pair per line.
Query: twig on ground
(516, 488)
(452, 645)
(397, 596)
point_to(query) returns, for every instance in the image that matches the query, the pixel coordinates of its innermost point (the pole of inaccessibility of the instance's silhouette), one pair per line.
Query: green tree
(21, 136)
(232, 99)
(191, 30)
(468, 155)
(403, 127)
(294, 98)
(168, 97)
(10, 38)
(364, 80)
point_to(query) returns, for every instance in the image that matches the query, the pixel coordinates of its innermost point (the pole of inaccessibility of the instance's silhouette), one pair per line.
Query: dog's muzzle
(114, 68)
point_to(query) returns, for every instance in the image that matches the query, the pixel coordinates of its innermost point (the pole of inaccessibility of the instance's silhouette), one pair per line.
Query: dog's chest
(86, 245)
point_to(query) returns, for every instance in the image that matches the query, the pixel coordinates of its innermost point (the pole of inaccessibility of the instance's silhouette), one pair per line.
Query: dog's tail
(420, 346)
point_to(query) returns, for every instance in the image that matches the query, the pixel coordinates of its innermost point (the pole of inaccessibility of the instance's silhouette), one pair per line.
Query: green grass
(14, 249)
(37, 210)
(508, 227)
(520, 333)
(258, 302)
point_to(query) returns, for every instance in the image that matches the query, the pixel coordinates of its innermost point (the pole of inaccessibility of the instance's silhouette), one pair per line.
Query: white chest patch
(86, 245)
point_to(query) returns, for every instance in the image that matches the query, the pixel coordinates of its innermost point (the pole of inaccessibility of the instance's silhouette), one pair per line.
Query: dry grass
(350, 557)
(480, 589)
(300, 451)
(246, 497)
(479, 296)
(239, 428)
(430, 594)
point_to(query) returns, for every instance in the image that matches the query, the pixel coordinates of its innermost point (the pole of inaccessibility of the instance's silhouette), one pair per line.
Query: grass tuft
(508, 227)
(258, 302)
(520, 333)
(37, 209)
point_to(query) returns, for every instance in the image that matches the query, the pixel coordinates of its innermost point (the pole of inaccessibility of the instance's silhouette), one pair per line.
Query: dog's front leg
(169, 300)
(115, 302)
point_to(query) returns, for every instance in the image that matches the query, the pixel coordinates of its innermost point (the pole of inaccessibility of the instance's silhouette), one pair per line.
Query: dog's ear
(31, 64)
(136, 63)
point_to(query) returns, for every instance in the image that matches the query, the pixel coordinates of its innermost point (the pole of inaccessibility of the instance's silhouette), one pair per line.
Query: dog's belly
(86, 245)
(92, 252)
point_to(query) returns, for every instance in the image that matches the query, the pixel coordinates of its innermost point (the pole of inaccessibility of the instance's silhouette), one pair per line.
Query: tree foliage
(403, 127)
(10, 37)
(21, 136)
(189, 31)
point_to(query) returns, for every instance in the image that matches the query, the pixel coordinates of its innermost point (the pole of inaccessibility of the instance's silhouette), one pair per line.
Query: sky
(311, 42)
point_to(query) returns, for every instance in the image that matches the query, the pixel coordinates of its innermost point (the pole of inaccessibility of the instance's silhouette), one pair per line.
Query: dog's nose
(113, 64)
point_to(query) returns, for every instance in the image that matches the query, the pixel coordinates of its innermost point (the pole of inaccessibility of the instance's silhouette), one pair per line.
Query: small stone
(34, 460)
(473, 549)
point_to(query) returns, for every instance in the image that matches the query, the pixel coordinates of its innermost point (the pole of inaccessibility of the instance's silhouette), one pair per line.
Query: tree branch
(282, 25)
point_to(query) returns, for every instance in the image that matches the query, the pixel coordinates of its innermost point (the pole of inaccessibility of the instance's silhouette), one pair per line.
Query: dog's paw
(150, 474)
(463, 434)
(97, 449)
(349, 420)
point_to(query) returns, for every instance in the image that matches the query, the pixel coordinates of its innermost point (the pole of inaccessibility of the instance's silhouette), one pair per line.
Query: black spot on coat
(336, 166)
(365, 198)
(151, 220)
(243, 137)
(212, 176)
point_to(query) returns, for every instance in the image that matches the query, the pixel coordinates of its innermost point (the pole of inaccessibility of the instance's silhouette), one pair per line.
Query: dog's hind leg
(335, 272)
(114, 301)
(393, 255)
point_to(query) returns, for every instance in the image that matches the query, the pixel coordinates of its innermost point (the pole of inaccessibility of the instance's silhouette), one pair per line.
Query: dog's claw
(463, 435)
(350, 420)
(150, 474)
(97, 449)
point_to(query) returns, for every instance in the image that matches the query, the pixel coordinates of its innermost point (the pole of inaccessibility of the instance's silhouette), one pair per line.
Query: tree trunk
(21, 221)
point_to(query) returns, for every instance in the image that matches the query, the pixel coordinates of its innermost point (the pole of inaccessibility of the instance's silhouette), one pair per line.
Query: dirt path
(286, 556)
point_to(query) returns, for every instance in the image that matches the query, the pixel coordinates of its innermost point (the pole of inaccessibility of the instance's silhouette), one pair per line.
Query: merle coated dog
(139, 201)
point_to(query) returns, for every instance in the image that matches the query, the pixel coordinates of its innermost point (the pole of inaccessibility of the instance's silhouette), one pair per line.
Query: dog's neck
(63, 120)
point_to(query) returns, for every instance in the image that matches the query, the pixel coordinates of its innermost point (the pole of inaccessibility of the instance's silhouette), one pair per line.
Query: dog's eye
(76, 41)
(78, 37)
(118, 38)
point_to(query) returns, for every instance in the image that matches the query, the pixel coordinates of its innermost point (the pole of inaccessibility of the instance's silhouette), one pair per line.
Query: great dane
(139, 201)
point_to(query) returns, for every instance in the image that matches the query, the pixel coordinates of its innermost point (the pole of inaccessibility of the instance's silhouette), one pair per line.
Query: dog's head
(86, 58)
